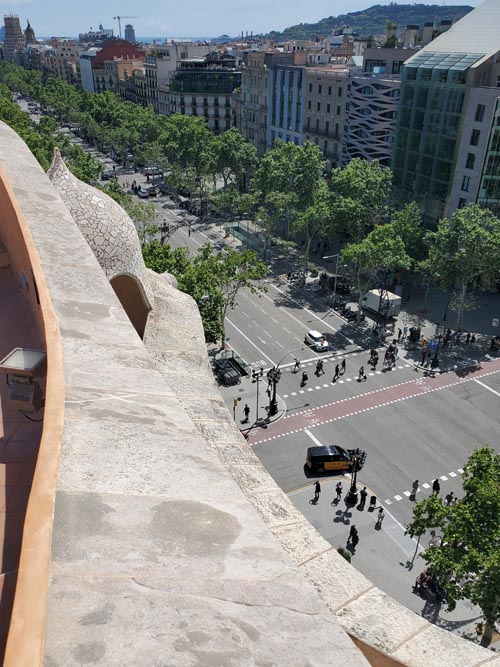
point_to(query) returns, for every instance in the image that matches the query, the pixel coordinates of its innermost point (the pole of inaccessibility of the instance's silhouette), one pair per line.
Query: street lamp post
(257, 377)
(274, 376)
(336, 275)
(358, 458)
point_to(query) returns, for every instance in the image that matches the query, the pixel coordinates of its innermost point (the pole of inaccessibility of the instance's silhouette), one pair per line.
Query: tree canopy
(466, 560)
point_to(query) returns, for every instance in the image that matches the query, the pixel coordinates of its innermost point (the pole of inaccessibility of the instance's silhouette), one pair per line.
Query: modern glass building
(449, 94)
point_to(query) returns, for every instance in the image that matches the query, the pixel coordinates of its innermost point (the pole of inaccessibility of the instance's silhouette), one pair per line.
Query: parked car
(142, 193)
(316, 340)
(152, 191)
(106, 175)
(152, 170)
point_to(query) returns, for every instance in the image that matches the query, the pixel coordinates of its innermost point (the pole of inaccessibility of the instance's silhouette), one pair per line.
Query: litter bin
(373, 502)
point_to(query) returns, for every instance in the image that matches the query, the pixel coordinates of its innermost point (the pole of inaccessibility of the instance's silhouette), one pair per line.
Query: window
(462, 202)
(325, 146)
(327, 126)
(480, 109)
(471, 158)
(320, 88)
(317, 124)
(327, 108)
(336, 129)
(318, 106)
(474, 137)
(329, 90)
(340, 92)
(310, 87)
(309, 104)
(466, 183)
(338, 110)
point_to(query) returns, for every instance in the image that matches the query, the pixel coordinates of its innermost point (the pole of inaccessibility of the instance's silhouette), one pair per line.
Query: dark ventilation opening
(133, 299)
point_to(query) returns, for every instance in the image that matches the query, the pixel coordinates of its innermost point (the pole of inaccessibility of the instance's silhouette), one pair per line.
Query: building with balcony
(95, 76)
(446, 143)
(160, 64)
(205, 87)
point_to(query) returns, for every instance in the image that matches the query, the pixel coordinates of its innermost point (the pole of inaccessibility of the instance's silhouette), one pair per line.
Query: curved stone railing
(161, 549)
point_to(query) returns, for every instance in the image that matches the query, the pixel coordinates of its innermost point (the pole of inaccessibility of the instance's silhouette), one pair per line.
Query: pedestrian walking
(423, 355)
(362, 374)
(355, 541)
(319, 367)
(414, 488)
(473, 339)
(304, 380)
(317, 490)
(246, 412)
(364, 494)
(400, 333)
(342, 367)
(380, 518)
(436, 486)
(338, 490)
(352, 533)
(449, 499)
(336, 374)
(296, 366)
(467, 339)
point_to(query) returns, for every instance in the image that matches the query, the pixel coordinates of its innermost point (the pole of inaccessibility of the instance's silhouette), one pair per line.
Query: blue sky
(159, 18)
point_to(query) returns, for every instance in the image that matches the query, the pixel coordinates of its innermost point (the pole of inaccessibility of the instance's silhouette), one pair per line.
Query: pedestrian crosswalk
(341, 380)
(425, 486)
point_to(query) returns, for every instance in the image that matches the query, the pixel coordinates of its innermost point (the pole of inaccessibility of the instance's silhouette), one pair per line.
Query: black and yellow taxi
(327, 458)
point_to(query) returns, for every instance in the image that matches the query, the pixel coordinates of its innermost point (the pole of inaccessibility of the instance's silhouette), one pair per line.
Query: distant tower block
(130, 33)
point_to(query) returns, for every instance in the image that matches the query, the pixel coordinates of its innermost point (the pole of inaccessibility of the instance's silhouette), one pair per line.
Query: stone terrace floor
(19, 442)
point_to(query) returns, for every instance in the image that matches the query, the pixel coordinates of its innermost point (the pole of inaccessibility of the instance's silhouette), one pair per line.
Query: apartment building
(161, 63)
(96, 76)
(205, 87)
(447, 148)
(14, 37)
(373, 104)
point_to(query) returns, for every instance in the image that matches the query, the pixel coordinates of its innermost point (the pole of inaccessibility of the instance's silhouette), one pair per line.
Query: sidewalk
(386, 556)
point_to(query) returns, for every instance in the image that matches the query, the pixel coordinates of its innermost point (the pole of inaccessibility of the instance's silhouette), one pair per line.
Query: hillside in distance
(373, 21)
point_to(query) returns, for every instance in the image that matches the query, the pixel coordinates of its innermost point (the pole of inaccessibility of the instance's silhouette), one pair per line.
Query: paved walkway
(385, 555)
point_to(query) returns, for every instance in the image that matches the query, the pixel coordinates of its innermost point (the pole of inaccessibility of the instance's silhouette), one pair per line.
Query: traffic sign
(494, 323)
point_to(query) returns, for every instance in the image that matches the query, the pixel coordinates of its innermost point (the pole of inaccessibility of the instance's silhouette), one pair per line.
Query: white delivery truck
(390, 306)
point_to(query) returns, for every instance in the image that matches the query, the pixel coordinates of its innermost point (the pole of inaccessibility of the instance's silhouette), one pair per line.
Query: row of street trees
(287, 192)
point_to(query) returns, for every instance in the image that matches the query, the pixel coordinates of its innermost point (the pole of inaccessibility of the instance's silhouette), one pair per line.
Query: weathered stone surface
(200, 622)
(380, 621)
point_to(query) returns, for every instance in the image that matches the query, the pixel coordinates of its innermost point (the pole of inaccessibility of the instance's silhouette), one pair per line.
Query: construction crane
(119, 18)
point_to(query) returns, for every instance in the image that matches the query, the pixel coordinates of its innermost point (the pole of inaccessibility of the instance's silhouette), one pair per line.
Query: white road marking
(488, 388)
(250, 341)
(398, 498)
(444, 478)
(461, 471)
(267, 333)
(261, 340)
(313, 438)
(452, 474)
(278, 343)
(426, 486)
(245, 314)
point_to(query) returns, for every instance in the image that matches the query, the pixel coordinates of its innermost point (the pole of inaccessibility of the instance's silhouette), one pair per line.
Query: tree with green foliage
(466, 560)
(362, 192)
(234, 157)
(212, 278)
(407, 224)
(381, 250)
(464, 249)
(315, 219)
